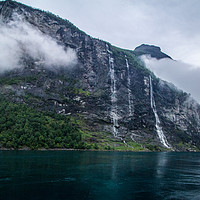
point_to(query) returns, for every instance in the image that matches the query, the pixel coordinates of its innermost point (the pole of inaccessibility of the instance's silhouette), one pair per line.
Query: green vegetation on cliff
(22, 126)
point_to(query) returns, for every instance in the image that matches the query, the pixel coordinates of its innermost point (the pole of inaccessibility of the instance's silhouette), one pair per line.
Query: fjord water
(63, 175)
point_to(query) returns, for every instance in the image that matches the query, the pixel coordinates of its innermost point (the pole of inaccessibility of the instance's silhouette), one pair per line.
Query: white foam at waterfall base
(160, 133)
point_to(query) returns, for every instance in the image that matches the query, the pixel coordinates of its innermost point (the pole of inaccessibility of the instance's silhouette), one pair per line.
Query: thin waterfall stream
(129, 91)
(159, 130)
(114, 107)
(113, 112)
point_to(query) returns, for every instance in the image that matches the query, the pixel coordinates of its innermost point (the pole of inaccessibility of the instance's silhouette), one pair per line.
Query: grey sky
(173, 25)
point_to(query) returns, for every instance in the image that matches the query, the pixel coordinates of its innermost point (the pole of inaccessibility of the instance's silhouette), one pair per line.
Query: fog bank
(19, 38)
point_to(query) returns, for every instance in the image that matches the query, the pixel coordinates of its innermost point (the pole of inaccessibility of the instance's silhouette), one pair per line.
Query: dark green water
(69, 175)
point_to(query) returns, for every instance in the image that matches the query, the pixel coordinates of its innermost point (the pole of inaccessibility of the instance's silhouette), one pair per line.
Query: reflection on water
(59, 175)
(162, 161)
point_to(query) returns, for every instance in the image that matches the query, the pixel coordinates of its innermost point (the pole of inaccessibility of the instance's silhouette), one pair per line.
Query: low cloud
(184, 76)
(19, 38)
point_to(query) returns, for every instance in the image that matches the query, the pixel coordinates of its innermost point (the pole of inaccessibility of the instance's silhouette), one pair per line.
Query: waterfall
(129, 91)
(160, 133)
(113, 112)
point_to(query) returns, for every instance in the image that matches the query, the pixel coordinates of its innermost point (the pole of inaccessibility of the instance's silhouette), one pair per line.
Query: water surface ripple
(77, 175)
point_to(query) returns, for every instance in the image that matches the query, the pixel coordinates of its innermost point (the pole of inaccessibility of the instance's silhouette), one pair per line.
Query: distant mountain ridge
(153, 51)
(116, 102)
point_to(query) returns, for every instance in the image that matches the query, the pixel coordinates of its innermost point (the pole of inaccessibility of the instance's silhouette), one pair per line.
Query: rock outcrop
(153, 51)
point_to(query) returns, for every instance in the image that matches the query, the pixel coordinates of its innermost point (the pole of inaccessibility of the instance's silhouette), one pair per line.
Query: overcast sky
(173, 25)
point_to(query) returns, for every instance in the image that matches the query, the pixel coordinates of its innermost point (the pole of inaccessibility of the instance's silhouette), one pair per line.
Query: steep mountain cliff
(116, 101)
(153, 51)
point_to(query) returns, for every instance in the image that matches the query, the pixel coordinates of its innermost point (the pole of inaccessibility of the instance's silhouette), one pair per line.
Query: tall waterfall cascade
(113, 112)
(159, 130)
(129, 91)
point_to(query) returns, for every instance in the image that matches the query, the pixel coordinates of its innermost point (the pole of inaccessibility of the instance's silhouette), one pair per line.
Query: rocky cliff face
(153, 51)
(108, 87)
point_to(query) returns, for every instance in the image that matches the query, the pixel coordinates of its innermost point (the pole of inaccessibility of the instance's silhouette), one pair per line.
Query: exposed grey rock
(153, 51)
